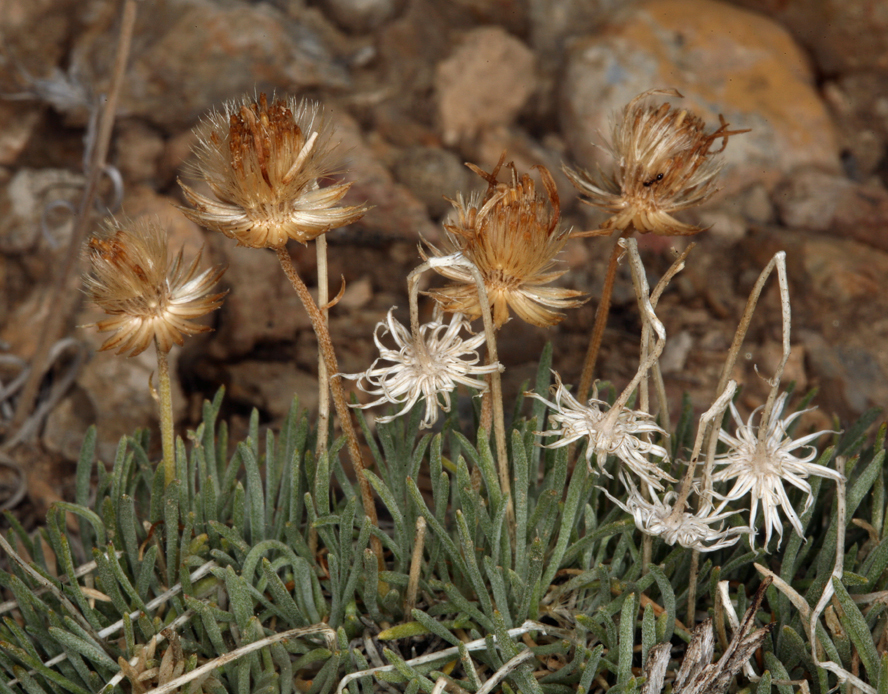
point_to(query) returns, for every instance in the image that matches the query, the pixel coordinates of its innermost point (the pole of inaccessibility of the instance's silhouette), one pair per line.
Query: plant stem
(415, 567)
(692, 587)
(325, 347)
(165, 405)
(323, 376)
(601, 314)
(62, 299)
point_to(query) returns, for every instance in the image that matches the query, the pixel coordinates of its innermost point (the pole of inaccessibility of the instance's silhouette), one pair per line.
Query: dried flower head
(609, 432)
(512, 235)
(424, 365)
(760, 468)
(664, 163)
(263, 163)
(693, 531)
(150, 298)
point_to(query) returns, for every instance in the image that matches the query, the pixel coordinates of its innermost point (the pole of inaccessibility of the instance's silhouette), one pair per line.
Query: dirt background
(416, 88)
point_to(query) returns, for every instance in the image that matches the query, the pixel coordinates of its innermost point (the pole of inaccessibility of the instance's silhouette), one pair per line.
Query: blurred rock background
(416, 88)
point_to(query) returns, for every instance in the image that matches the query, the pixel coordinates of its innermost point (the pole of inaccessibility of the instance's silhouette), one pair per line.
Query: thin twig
(501, 674)
(238, 653)
(446, 654)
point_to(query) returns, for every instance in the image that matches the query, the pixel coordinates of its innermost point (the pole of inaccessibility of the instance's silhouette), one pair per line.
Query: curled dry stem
(60, 300)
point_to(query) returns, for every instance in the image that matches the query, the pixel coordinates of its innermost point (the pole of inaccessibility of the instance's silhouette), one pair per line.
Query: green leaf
(857, 629)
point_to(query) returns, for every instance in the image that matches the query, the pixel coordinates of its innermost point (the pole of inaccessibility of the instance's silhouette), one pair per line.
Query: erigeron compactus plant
(587, 544)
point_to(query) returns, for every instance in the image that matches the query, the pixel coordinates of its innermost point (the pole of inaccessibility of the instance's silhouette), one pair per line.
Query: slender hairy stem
(325, 347)
(62, 300)
(601, 314)
(165, 403)
(323, 376)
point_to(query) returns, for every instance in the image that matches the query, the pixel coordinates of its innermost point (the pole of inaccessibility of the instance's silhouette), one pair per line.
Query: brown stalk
(601, 314)
(325, 347)
(63, 302)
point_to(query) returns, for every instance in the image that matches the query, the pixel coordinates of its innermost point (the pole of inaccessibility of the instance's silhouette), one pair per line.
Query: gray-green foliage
(270, 539)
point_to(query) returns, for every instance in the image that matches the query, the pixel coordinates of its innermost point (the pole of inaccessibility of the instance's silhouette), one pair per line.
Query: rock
(261, 306)
(430, 173)
(819, 201)
(754, 74)
(24, 203)
(361, 16)
(842, 271)
(859, 102)
(117, 388)
(35, 38)
(240, 49)
(842, 35)
(17, 123)
(483, 83)
(357, 294)
(271, 386)
(139, 149)
(553, 22)
(851, 378)
(808, 199)
(68, 422)
(397, 214)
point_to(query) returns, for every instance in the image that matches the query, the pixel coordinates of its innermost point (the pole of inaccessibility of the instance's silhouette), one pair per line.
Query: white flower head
(693, 531)
(609, 432)
(760, 468)
(423, 366)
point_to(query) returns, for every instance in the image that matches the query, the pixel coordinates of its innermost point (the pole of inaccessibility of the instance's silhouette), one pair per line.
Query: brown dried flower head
(149, 298)
(512, 235)
(664, 163)
(263, 163)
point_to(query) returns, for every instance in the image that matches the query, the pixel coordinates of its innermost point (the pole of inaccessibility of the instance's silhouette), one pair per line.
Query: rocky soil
(416, 88)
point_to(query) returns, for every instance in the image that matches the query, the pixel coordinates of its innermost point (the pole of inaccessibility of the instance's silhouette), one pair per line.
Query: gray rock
(754, 74)
(431, 173)
(361, 16)
(206, 52)
(842, 35)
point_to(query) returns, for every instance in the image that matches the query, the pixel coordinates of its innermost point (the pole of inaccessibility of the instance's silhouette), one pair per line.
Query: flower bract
(148, 296)
(512, 235)
(663, 163)
(263, 163)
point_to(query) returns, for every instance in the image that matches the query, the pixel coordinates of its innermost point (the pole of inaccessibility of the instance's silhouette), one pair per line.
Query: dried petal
(664, 163)
(512, 235)
(263, 163)
(149, 298)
